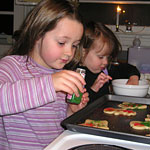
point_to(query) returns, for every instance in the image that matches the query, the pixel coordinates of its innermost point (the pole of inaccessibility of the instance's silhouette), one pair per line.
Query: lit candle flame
(118, 9)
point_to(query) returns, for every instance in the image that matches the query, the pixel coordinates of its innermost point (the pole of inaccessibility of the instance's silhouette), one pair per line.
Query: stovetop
(69, 139)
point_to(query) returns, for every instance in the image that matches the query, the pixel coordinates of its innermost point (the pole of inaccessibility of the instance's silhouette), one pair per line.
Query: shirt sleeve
(18, 95)
(123, 70)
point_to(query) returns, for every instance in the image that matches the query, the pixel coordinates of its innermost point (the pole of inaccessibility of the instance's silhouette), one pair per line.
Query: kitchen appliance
(120, 134)
(69, 139)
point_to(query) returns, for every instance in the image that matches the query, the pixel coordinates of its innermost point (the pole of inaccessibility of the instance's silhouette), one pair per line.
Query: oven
(69, 139)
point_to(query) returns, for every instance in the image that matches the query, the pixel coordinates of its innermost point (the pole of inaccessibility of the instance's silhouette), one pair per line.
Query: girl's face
(58, 46)
(97, 58)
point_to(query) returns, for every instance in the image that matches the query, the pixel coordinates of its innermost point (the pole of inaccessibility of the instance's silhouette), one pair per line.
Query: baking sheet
(118, 125)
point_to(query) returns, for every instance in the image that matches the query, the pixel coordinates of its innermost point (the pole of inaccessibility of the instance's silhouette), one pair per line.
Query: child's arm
(123, 71)
(133, 80)
(69, 82)
(100, 81)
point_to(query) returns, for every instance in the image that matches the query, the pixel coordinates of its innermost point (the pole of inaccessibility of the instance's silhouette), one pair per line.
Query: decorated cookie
(127, 105)
(140, 125)
(103, 124)
(147, 118)
(116, 111)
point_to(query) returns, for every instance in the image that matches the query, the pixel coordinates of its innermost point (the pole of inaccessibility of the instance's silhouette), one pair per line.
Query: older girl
(33, 85)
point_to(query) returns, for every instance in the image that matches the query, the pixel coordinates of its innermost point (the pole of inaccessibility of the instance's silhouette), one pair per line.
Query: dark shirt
(120, 71)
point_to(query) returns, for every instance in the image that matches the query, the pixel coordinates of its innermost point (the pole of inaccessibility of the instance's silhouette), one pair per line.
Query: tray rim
(66, 123)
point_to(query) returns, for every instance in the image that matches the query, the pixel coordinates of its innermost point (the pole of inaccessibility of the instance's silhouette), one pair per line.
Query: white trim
(6, 12)
(27, 2)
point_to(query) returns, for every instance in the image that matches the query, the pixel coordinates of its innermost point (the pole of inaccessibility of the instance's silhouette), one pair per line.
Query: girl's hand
(133, 80)
(100, 81)
(68, 81)
(74, 108)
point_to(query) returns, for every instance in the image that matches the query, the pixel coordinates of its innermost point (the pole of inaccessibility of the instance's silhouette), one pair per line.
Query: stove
(69, 139)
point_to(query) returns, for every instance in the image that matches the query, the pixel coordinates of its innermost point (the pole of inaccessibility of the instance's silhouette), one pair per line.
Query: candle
(117, 18)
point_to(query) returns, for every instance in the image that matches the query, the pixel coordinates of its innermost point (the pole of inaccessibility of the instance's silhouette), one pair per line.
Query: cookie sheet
(119, 127)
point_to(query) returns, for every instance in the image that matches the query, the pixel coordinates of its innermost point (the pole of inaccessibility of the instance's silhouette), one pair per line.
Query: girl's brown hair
(43, 18)
(95, 30)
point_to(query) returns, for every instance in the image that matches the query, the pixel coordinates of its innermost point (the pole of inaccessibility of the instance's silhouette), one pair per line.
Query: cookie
(117, 112)
(103, 124)
(127, 105)
(140, 125)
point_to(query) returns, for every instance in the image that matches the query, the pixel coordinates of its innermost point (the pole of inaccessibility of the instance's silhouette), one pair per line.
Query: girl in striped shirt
(33, 84)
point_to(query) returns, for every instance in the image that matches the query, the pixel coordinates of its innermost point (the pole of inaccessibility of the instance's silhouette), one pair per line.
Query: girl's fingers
(76, 75)
(68, 81)
(76, 81)
(104, 77)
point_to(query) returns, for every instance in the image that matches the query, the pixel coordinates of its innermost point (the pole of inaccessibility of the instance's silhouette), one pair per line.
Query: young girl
(32, 85)
(101, 46)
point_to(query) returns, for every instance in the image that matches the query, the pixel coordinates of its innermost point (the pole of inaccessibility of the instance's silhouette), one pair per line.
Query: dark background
(6, 21)
(136, 14)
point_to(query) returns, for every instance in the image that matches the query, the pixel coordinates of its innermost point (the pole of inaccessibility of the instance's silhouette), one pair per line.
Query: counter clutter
(147, 77)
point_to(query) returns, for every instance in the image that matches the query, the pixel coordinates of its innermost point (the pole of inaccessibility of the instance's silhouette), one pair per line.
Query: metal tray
(118, 125)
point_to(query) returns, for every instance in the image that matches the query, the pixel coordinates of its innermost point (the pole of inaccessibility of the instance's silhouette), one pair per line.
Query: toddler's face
(58, 46)
(97, 58)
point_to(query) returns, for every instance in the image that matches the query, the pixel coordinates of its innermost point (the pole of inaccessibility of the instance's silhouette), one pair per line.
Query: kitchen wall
(126, 38)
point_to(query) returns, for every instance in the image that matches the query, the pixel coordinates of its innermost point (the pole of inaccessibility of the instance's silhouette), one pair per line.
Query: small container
(72, 98)
(136, 41)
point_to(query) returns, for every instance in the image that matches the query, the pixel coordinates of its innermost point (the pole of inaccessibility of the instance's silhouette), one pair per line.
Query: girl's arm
(123, 71)
(21, 95)
(21, 90)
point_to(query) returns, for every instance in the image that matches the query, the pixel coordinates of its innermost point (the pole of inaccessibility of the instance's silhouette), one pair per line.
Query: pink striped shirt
(30, 109)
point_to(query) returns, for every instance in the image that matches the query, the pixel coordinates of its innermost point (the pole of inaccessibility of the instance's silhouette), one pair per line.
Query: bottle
(128, 27)
(73, 98)
(136, 41)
